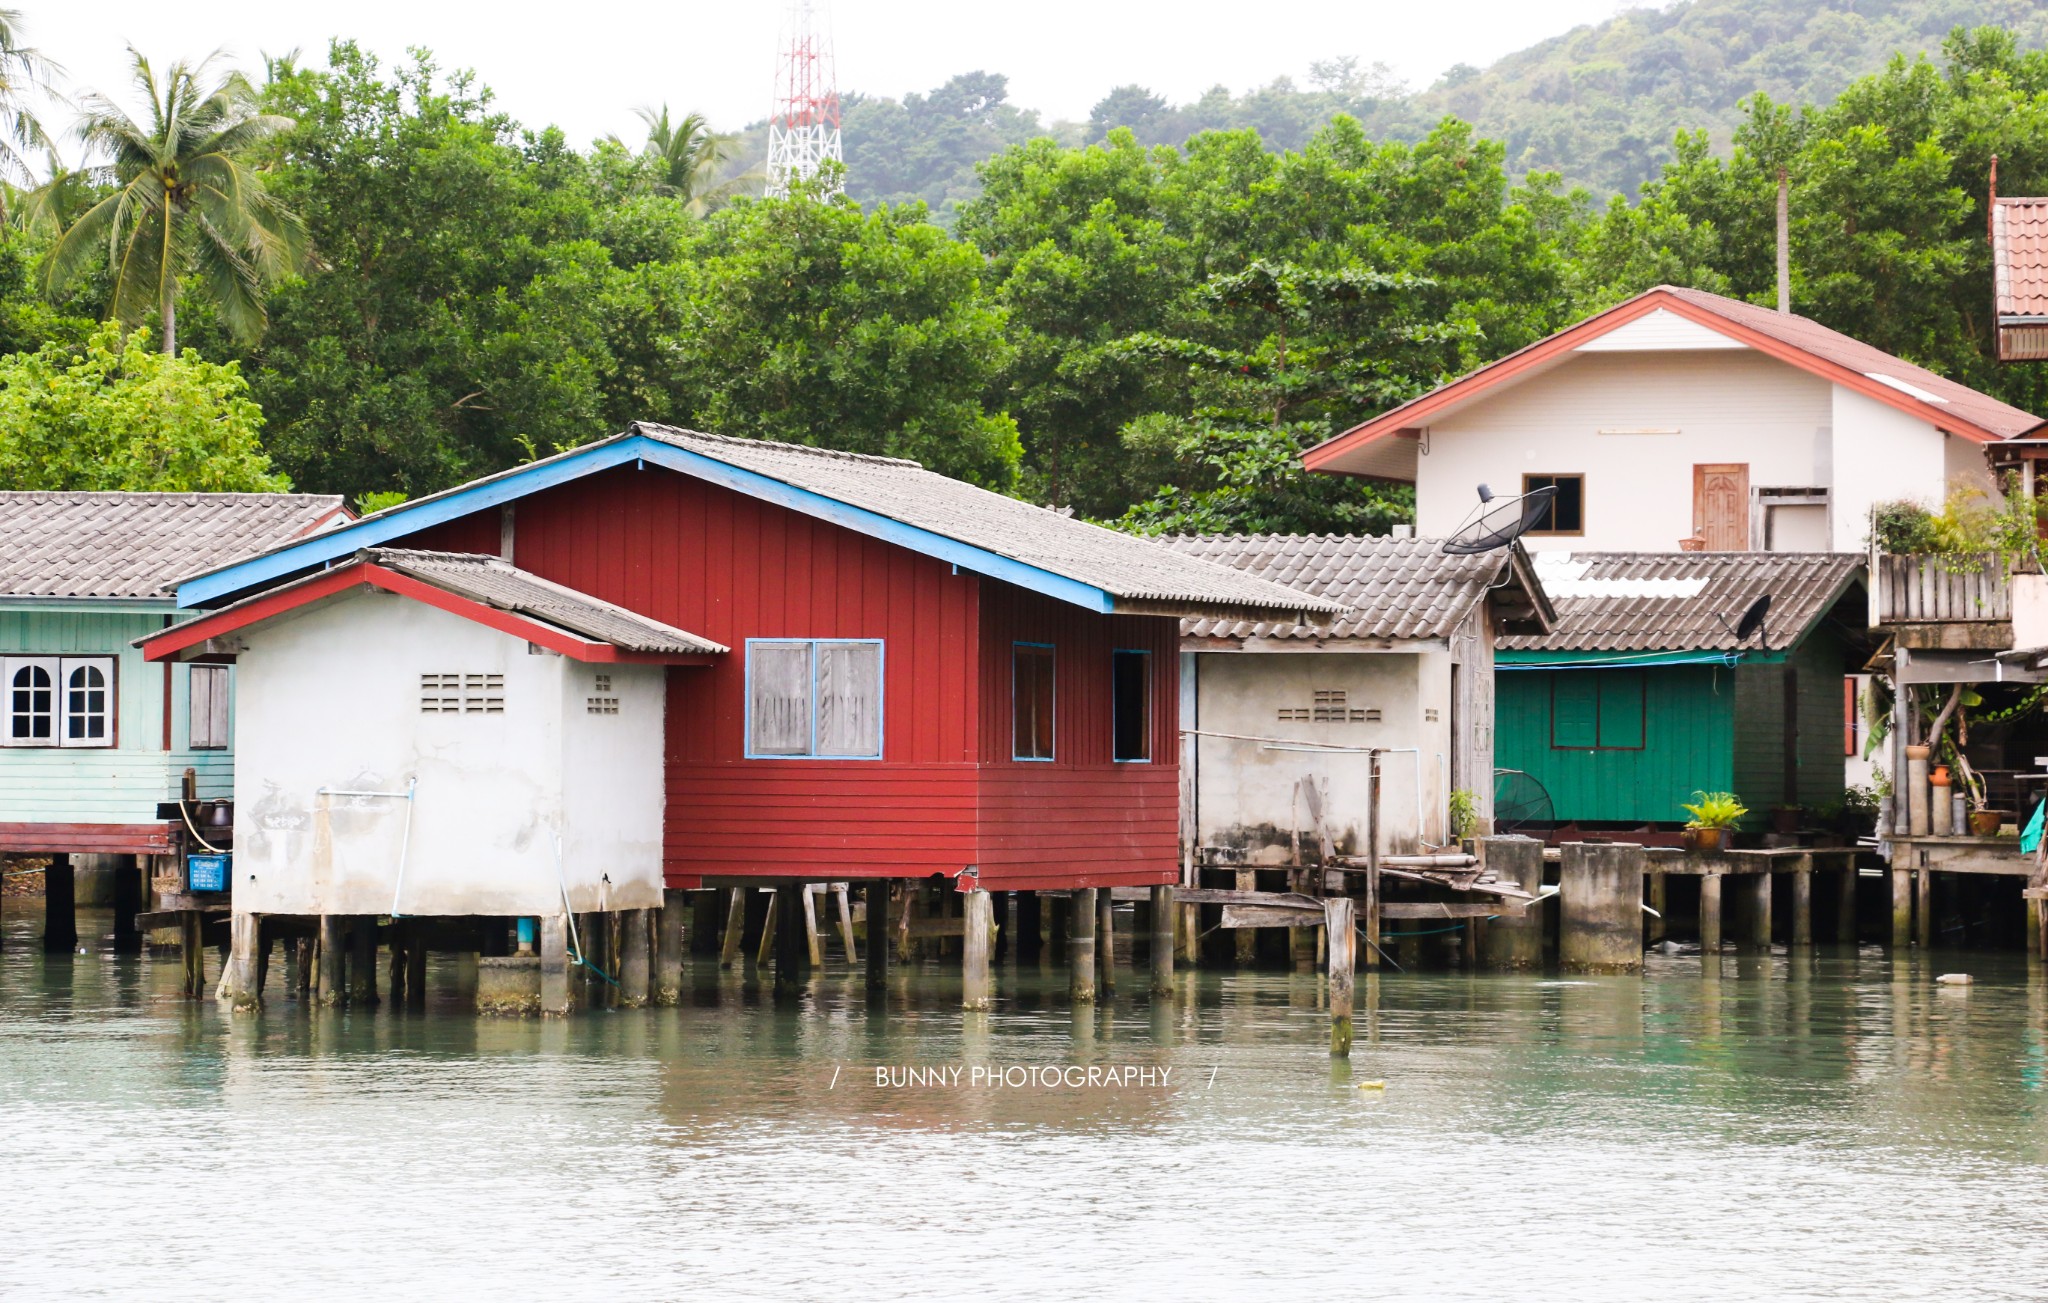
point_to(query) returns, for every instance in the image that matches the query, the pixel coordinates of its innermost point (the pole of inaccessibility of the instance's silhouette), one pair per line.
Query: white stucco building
(1279, 714)
(1681, 415)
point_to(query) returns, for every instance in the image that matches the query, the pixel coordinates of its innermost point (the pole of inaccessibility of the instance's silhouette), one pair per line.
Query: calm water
(1836, 1129)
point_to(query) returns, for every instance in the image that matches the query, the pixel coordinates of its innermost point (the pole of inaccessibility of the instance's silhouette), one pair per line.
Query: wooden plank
(1255, 916)
(86, 838)
(1448, 909)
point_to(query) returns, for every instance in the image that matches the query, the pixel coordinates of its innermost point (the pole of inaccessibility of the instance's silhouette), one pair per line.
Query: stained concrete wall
(330, 697)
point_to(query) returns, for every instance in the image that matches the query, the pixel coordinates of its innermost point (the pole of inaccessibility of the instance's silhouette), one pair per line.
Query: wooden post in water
(2033, 927)
(1654, 895)
(362, 961)
(1081, 947)
(1902, 908)
(1372, 859)
(60, 907)
(1162, 941)
(415, 968)
(127, 903)
(878, 938)
(1845, 904)
(1513, 944)
(735, 927)
(1600, 896)
(192, 952)
(1802, 900)
(1710, 911)
(554, 964)
(635, 966)
(1105, 940)
(401, 938)
(977, 920)
(1246, 938)
(1030, 939)
(1339, 920)
(1924, 907)
(703, 935)
(791, 948)
(668, 948)
(333, 959)
(238, 976)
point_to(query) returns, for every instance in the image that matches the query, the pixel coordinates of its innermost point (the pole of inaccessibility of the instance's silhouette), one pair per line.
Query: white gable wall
(1792, 429)
(330, 698)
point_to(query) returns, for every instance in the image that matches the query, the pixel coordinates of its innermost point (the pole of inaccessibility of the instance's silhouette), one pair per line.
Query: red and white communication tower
(803, 132)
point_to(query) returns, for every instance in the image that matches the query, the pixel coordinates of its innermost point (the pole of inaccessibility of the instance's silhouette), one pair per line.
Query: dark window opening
(1566, 513)
(1131, 675)
(1032, 699)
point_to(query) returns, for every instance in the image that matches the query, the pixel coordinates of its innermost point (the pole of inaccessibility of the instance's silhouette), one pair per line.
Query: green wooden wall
(1817, 666)
(1621, 745)
(118, 784)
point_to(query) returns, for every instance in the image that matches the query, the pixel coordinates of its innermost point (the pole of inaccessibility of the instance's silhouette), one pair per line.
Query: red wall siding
(1080, 816)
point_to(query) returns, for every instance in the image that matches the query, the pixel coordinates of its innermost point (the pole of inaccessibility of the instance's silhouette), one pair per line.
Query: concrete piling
(1105, 940)
(1340, 922)
(668, 947)
(1601, 897)
(1902, 908)
(1710, 912)
(362, 961)
(1162, 941)
(1802, 901)
(635, 962)
(1081, 946)
(977, 924)
(238, 987)
(1923, 907)
(1513, 944)
(333, 959)
(554, 964)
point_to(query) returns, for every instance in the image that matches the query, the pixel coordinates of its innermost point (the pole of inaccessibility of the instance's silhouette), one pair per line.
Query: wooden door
(1720, 506)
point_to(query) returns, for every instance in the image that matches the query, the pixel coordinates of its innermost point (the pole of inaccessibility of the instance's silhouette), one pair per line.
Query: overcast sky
(585, 66)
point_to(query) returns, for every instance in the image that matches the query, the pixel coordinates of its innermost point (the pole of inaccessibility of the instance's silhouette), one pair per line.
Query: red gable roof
(1791, 339)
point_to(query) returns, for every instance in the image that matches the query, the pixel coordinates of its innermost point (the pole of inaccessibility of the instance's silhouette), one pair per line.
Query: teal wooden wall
(1687, 737)
(1818, 664)
(118, 784)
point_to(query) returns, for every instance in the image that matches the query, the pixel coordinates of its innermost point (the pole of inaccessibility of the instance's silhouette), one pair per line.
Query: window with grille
(207, 727)
(818, 698)
(1033, 699)
(58, 701)
(462, 694)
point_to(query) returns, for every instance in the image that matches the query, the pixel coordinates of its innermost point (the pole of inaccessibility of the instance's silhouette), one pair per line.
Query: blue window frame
(1034, 700)
(1130, 680)
(814, 699)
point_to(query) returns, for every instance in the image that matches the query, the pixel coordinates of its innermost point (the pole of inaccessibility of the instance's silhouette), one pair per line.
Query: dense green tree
(684, 160)
(114, 414)
(25, 76)
(185, 205)
(925, 148)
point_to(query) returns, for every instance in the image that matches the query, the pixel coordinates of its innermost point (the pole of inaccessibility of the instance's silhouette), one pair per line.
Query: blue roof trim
(508, 487)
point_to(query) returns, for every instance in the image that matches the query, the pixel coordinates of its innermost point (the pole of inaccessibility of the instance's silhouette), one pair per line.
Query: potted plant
(1464, 814)
(1984, 821)
(1713, 814)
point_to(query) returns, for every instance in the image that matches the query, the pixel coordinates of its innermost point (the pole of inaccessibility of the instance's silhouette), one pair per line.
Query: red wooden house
(925, 677)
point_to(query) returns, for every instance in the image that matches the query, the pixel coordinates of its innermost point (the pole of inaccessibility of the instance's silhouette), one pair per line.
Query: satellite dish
(1520, 804)
(1500, 521)
(1752, 621)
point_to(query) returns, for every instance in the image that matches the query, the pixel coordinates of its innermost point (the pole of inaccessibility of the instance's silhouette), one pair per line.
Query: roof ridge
(656, 430)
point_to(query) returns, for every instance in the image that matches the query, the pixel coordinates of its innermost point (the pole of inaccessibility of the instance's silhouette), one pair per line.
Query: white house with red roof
(1682, 419)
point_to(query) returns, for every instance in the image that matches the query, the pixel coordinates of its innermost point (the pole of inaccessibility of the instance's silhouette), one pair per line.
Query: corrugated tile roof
(1122, 565)
(134, 545)
(2019, 256)
(1397, 588)
(498, 583)
(1682, 601)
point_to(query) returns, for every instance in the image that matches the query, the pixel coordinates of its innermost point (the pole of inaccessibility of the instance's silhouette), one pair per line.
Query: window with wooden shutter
(849, 693)
(1033, 699)
(814, 698)
(208, 726)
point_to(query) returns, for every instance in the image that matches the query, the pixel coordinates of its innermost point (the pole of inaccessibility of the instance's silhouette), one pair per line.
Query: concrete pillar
(1940, 809)
(1916, 791)
(362, 961)
(1081, 946)
(1750, 910)
(554, 964)
(1162, 940)
(1802, 900)
(1511, 944)
(1710, 913)
(668, 949)
(878, 937)
(792, 950)
(1923, 907)
(1902, 908)
(238, 988)
(127, 903)
(1105, 940)
(1340, 921)
(1845, 904)
(60, 908)
(1600, 894)
(1247, 939)
(635, 963)
(977, 922)
(333, 959)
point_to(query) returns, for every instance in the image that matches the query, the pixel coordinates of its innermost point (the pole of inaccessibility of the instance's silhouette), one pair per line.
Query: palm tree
(187, 205)
(685, 157)
(22, 71)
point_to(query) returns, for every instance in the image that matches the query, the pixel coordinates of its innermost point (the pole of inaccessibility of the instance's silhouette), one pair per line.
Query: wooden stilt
(1162, 940)
(809, 898)
(362, 962)
(1372, 860)
(60, 907)
(306, 951)
(416, 968)
(263, 943)
(333, 986)
(1655, 894)
(1340, 922)
(635, 963)
(554, 964)
(1105, 941)
(735, 927)
(841, 893)
(1923, 910)
(192, 952)
(1710, 912)
(1081, 947)
(769, 924)
(878, 938)
(668, 948)
(1845, 905)
(978, 924)
(789, 911)
(1902, 908)
(396, 970)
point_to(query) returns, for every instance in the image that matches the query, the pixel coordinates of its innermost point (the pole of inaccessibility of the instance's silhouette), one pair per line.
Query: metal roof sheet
(1682, 601)
(1396, 588)
(134, 545)
(497, 583)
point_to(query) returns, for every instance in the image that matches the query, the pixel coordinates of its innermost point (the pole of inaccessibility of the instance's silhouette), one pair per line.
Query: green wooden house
(91, 737)
(1643, 694)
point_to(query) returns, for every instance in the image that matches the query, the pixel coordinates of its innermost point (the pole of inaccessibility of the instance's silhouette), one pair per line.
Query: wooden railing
(1930, 589)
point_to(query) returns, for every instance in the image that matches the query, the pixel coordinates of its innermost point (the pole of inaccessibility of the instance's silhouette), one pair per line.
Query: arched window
(85, 704)
(31, 703)
(57, 701)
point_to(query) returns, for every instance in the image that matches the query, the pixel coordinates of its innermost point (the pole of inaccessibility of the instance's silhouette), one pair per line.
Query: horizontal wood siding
(1080, 817)
(1688, 739)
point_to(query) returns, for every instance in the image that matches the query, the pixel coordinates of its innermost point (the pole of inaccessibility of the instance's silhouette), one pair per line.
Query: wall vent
(462, 694)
